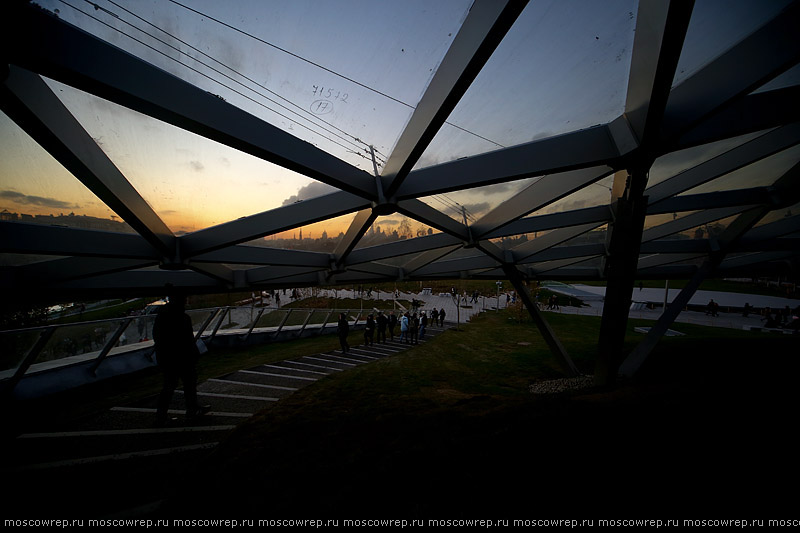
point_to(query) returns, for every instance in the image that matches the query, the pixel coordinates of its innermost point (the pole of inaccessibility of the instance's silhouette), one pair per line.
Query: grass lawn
(450, 429)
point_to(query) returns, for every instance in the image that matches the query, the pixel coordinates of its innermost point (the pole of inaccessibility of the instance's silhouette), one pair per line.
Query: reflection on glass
(790, 78)
(780, 214)
(717, 25)
(761, 173)
(704, 231)
(470, 205)
(672, 164)
(652, 221)
(597, 193)
(595, 236)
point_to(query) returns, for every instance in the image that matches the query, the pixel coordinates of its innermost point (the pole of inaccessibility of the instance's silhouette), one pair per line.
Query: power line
(225, 75)
(290, 53)
(254, 82)
(202, 73)
(301, 58)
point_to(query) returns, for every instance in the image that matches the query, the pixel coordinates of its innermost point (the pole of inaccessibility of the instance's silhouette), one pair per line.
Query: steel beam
(753, 61)
(527, 250)
(262, 255)
(481, 32)
(422, 212)
(362, 221)
(24, 238)
(49, 46)
(543, 192)
(27, 99)
(402, 247)
(754, 150)
(625, 237)
(660, 31)
(752, 113)
(270, 222)
(633, 362)
(549, 336)
(583, 148)
(596, 216)
(690, 221)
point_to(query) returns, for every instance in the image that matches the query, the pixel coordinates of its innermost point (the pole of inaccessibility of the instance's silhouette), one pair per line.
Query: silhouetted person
(369, 331)
(392, 324)
(343, 329)
(177, 355)
(441, 317)
(382, 323)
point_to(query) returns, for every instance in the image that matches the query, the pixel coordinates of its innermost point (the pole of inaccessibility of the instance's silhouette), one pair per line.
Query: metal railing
(28, 351)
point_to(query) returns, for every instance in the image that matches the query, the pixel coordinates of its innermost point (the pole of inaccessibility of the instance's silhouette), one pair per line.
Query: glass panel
(761, 173)
(597, 193)
(562, 67)
(341, 76)
(595, 236)
(716, 26)
(25, 259)
(393, 228)
(704, 231)
(652, 221)
(476, 202)
(319, 237)
(778, 214)
(16, 345)
(75, 343)
(35, 188)
(670, 165)
(191, 182)
(790, 78)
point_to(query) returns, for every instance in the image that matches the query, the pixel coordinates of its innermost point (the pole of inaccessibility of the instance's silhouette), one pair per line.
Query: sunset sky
(559, 69)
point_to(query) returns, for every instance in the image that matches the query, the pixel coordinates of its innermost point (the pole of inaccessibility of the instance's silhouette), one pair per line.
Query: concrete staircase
(86, 470)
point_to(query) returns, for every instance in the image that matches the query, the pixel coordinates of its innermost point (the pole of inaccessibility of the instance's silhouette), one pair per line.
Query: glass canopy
(234, 146)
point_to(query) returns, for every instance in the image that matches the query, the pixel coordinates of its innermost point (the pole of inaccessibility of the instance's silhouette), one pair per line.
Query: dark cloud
(312, 190)
(196, 165)
(27, 199)
(478, 208)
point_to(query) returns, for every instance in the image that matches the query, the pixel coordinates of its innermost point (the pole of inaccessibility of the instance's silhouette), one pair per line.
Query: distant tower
(301, 234)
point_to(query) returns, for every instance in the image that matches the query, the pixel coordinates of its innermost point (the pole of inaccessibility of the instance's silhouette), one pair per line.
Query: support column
(634, 361)
(621, 264)
(547, 332)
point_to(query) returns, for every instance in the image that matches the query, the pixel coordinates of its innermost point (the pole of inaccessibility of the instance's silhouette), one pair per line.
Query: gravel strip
(557, 386)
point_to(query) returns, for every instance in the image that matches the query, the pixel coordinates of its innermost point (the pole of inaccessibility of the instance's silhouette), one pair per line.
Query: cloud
(477, 208)
(196, 165)
(27, 199)
(312, 190)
